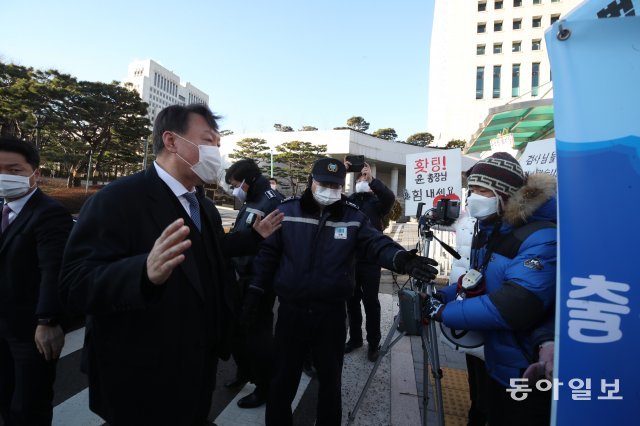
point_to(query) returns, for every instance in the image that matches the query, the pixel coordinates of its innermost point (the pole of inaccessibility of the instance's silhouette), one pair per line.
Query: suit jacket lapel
(164, 212)
(21, 220)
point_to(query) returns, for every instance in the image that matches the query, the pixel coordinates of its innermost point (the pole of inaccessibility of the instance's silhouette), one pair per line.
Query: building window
(482, 28)
(482, 6)
(497, 5)
(496, 81)
(497, 26)
(555, 1)
(515, 80)
(535, 44)
(535, 78)
(537, 1)
(480, 49)
(554, 18)
(517, 3)
(516, 46)
(497, 47)
(479, 82)
(536, 22)
(517, 24)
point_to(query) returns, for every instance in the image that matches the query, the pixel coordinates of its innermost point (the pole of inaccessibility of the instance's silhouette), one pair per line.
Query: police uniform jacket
(310, 260)
(261, 200)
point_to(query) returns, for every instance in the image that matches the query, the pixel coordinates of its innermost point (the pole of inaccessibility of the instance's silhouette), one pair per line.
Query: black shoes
(373, 353)
(237, 382)
(252, 400)
(351, 345)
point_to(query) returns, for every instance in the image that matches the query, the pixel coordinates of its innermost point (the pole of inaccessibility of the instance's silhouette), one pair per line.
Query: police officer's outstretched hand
(249, 311)
(422, 268)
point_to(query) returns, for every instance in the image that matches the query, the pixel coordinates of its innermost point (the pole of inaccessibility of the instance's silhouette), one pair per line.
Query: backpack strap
(511, 242)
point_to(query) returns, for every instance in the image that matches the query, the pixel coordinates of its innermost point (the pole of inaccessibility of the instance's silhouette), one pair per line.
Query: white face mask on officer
(362, 186)
(326, 196)
(209, 161)
(239, 193)
(481, 207)
(15, 186)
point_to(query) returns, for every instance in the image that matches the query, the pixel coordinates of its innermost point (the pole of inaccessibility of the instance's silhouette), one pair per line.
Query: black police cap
(329, 170)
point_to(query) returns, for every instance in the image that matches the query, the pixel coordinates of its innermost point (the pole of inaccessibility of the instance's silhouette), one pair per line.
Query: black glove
(432, 308)
(422, 268)
(249, 310)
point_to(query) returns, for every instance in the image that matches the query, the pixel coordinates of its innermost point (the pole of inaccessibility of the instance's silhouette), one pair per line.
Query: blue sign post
(595, 60)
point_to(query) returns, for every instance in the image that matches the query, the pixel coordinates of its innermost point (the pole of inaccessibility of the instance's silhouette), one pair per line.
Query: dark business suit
(30, 256)
(151, 350)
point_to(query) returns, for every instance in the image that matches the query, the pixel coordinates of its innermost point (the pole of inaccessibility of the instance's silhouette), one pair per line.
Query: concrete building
(160, 87)
(484, 54)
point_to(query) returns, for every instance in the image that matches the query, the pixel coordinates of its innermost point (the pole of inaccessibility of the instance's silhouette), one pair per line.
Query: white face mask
(239, 193)
(273, 186)
(14, 186)
(481, 207)
(326, 196)
(209, 161)
(362, 186)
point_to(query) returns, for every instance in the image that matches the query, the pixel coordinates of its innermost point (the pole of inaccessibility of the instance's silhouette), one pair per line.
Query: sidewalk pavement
(406, 377)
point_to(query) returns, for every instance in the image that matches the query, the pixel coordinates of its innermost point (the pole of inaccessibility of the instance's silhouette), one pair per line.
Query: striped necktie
(5, 216)
(194, 208)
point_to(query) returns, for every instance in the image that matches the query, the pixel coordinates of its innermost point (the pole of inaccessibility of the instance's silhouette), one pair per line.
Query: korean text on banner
(430, 176)
(595, 60)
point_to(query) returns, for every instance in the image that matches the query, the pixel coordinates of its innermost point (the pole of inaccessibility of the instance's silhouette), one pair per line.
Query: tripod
(413, 325)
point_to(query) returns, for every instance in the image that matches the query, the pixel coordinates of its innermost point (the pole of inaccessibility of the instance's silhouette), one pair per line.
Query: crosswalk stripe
(75, 411)
(234, 415)
(73, 341)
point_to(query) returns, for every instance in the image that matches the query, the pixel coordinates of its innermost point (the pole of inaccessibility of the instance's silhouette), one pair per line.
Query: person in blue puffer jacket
(519, 292)
(310, 264)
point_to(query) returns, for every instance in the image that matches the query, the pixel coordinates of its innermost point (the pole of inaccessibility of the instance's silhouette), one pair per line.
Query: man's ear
(169, 141)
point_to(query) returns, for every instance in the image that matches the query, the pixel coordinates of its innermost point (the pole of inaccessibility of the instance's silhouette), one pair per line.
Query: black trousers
(535, 410)
(252, 351)
(478, 387)
(26, 383)
(299, 330)
(367, 288)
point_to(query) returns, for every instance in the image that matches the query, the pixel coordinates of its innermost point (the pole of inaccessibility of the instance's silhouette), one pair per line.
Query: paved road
(71, 402)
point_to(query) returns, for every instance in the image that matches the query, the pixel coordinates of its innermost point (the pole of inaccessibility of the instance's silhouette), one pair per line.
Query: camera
(444, 213)
(357, 163)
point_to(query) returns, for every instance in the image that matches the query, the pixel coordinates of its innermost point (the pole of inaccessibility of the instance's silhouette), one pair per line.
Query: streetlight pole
(146, 150)
(39, 119)
(86, 188)
(271, 152)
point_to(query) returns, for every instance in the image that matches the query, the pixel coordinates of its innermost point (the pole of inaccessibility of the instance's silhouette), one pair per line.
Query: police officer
(375, 200)
(309, 263)
(252, 347)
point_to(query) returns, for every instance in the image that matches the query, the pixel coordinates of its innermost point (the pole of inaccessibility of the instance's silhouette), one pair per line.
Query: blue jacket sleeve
(385, 196)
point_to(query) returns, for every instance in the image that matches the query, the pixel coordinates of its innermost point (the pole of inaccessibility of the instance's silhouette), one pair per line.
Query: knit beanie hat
(500, 173)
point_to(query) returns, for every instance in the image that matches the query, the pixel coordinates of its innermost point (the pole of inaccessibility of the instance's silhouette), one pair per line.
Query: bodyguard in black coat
(146, 262)
(252, 347)
(34, 231)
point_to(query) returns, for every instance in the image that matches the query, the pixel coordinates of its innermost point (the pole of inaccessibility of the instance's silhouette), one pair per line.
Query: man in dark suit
(34, 231)
(146, 263)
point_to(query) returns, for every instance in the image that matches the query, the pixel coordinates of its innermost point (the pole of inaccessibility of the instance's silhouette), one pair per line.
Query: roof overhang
(526, 121)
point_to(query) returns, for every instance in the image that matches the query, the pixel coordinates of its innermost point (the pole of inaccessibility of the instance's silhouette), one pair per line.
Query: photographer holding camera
(375, 200)
(511, 287)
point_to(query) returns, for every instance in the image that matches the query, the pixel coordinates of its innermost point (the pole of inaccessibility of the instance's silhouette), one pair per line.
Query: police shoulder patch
(350, 204)
(270, 194)
(534, 263)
